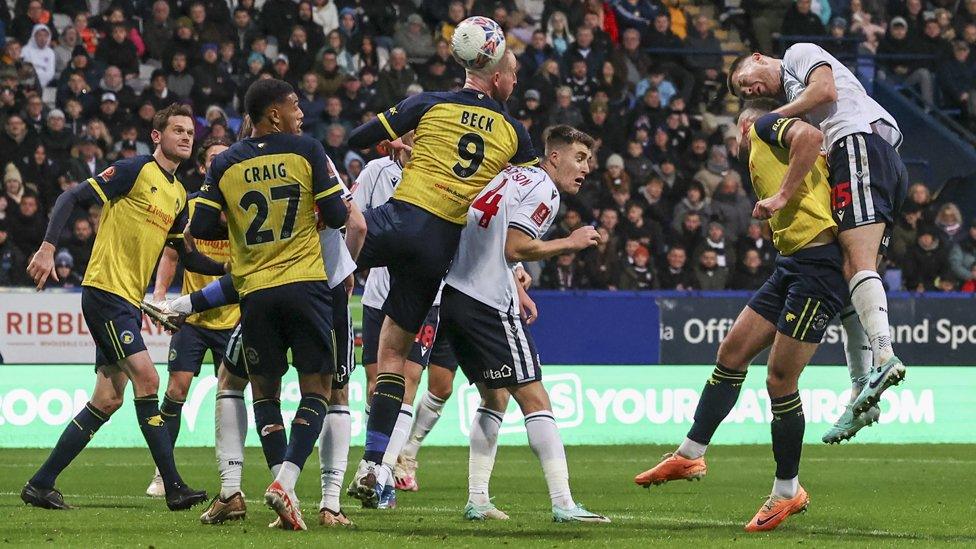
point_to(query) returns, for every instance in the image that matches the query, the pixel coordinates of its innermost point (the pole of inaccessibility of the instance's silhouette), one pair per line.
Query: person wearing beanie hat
(64, 265)
(637, 272)
(926, 260)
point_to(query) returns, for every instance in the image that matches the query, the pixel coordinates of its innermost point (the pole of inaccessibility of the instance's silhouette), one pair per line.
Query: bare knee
(495, 399)
(779, 382)
(731, 358)
(440, 382)
(107, 404)
(178, 386)
(340, 397)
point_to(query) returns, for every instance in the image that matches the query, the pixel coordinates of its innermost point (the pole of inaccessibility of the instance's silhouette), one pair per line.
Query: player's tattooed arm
(520, 246)
(819, 91)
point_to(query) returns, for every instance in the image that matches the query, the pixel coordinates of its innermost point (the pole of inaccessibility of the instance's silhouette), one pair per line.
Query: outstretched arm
(520, 246)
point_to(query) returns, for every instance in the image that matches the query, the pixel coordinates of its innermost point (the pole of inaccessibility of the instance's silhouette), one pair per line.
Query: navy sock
(157, 437)
(306, 427)
(172, 412)
(271, 430)
(383, 413)
(717, 399)
(787, 429)
(73, 440)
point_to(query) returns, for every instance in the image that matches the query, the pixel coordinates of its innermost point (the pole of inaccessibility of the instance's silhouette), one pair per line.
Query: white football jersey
(522, 198)
(853, 112)
(374, 187)
(338, 261)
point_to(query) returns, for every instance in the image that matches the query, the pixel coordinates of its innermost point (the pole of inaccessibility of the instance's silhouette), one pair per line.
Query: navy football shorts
(417, 247)
(114, 324)
(188, 346)
(233, 355)
(296, 316)
(804, 292)
(344, 340)
(868, 182)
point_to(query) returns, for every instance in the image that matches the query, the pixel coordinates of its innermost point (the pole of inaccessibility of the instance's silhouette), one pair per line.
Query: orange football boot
(672, 467)
(776, 510)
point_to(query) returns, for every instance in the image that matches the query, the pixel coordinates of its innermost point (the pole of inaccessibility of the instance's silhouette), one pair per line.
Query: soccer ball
(478, 42)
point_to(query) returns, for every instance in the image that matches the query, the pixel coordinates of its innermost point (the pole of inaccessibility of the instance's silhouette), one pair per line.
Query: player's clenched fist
(584, 237)
(42, 265)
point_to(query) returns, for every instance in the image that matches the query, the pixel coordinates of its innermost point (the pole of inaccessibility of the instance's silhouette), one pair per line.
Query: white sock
(401, 430)
(481, 460)
(288, 475)
(426, 416)
(691, 449)
(869, 298)
(334, 454)
(857, 349)
(548, 447)
(786, 488)
(231, 430)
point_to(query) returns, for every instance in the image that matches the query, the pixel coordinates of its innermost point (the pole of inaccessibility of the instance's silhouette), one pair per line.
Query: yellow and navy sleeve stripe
(328, 192)
(784, 125)
(386, 123)
(98, 189)
(207, 202)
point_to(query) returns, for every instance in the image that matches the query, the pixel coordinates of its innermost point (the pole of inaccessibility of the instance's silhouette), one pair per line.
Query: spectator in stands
(660, 37)
(211, 85)
(963, 253)
(911, 71)
(119, 51)
(159, 27)
(636, 164)
(564, 273)
(80, 62)
(535, 54)
(636, 14)
(614, 176)
(932, 41)
(801, 21)
(564, 111)
(694, 200)
(27, 224)
(38, 52)
(301, 57)
(559, 35)
(688, 235)
(312, 105)
(64, 266)
(22, 26)
(717, 240)
(13, 267)
(112, 81)
(696, 155)
(905, 232)
(41, 172)
(926, 260)
(415, 39)
(755, 240)
(958, 78)
(637, 227)
(585, 49)
(57, 138)
(919, 194)
(709, 274)
(179, 80)
(838, 43)
(638, 272)
(581, 83)
(33, 114)
(88, 163)
(676, 275)
(633, 60)
(750, 274)
(600, 262)
(949, 221)
(13, 190)
(866, 24)
(17, 140)
(731, 206)
(396, 78)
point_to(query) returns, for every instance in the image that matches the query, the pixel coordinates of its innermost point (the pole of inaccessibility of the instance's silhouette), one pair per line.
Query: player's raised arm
(114, 182)
(391, 123)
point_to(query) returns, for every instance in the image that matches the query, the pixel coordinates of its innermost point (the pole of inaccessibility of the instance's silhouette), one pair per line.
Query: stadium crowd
(79, 86)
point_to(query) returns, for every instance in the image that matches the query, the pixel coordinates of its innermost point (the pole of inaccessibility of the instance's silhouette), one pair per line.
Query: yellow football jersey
(268, 187)
(221, 318)
(462, 140)
(807, 214)
(143, 207)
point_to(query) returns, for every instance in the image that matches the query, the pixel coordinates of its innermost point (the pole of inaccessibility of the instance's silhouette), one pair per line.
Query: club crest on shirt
(540, 214)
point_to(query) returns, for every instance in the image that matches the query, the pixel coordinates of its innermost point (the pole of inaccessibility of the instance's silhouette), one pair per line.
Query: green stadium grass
(861, 495)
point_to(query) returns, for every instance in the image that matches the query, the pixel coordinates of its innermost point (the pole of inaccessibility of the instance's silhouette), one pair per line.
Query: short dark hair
(161, 118)
(562, 134)
(211, 141)
(262, 94)
(736, 63)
